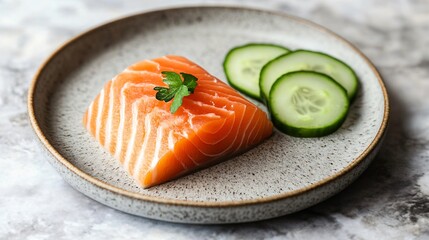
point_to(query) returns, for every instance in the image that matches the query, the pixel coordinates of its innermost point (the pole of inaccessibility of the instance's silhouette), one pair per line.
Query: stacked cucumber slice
(307, 104)
(308, 93)
(300, 60)
(243, 64)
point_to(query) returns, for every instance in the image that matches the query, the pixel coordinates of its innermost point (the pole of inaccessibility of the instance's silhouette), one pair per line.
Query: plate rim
(193, 203)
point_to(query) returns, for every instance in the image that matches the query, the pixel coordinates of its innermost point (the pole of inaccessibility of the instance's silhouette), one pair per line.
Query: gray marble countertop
(389, 201)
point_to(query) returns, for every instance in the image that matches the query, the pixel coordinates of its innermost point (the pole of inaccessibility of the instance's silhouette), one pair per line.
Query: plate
(282, 175)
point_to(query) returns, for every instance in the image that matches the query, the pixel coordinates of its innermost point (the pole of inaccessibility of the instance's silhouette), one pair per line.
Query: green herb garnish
(177, 88)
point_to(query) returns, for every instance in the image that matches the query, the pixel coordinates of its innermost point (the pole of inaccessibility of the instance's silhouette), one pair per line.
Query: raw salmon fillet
(154, 145)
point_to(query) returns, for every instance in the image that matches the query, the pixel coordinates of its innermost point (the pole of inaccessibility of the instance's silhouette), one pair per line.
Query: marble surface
(389, 201)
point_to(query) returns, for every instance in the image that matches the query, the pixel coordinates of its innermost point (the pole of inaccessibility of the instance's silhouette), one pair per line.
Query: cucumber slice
(243, 64)
(311, 61)
(308, 104)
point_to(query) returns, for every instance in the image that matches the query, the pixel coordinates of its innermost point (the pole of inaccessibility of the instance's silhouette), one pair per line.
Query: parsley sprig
(177, 89)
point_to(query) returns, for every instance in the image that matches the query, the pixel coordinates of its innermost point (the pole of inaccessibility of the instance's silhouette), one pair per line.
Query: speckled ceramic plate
(280, 176)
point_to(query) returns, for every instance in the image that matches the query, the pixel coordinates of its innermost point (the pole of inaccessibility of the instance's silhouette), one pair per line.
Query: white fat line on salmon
(198, 138)
(171, 146)
(184, 133)
(245, 130)
(213, 103)
(202, 73)
(158, 66)
(142, 85)
(109, 119)
(89, 116)
(258, 137)
(211, 115)
(159, 136)
(184, 64)
(198, 103)
(186, 152)
(219, 93)
(254, 127)
(232, 98)
(170, 140)
(210, 106)
(227, 112)
(190, 117)
(121, 127)
(99, 115)
(122, 103)
(131, 143)
(141, 72)
(238, 127)
(226, 135)
(141, 155)
(214, 133)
